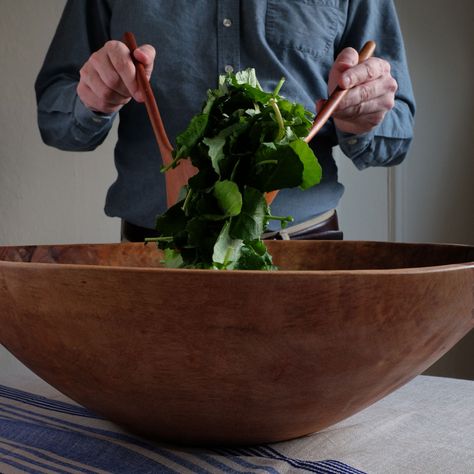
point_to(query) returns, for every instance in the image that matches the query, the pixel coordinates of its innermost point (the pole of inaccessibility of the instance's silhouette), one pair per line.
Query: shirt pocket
(308, 26)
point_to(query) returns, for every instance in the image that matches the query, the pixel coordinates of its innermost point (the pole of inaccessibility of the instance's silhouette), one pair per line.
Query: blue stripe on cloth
(92, 452)
(110, 434)
(43, 402)
(167, 454)
(215, 463)
(319, 467)
(233, 455)
(241, 462)
(21, 467)
(20, 457)
(44, 456)
(341, 467)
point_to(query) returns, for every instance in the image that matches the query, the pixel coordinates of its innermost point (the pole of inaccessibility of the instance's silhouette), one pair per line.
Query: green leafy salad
(246, 142)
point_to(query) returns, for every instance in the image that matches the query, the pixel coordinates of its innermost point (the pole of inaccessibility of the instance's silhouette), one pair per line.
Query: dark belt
(325, 230)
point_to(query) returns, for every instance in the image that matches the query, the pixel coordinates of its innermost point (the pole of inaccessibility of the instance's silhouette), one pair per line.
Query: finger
(369, 70)
(100, 61)
(95, 103)
(119, 56)
(346, 59)
(365, 123)
(94, 81)
(380, 104)
(369, 91)
(97, 96)
(146, 55)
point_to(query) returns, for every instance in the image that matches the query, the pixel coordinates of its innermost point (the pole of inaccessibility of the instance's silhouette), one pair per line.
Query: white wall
(46, 196)
(434, 190)
(49, 196)
(430, 197)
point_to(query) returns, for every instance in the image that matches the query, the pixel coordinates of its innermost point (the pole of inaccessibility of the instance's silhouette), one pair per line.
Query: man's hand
(108, 78)
(371, 94)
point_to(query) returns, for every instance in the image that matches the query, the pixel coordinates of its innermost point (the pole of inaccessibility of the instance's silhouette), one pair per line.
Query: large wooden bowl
(201, 356)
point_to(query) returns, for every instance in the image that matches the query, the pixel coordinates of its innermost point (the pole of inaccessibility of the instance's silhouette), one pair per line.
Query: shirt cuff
(355, 147)
(88, 120)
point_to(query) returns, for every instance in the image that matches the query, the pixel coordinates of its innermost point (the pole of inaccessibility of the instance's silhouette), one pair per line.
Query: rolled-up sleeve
(389, 142)
(63, 120)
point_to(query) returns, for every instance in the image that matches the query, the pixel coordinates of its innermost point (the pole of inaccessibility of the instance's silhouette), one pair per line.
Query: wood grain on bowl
(236, 357)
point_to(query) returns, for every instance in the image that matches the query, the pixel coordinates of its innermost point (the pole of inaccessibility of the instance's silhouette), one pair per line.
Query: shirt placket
(228, 35)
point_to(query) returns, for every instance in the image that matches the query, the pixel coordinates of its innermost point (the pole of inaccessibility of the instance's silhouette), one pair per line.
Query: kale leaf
(245, 142)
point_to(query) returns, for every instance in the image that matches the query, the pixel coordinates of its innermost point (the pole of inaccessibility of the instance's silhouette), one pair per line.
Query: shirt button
(227, 22)
(352, 141)
(228, 68)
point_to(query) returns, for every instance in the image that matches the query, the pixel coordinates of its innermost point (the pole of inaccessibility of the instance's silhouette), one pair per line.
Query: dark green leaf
(172, 221)
(186, 140)
(245, 142)
(311, 168)
(228, 197)
(250, 223)
(280, 168)
(254, 255)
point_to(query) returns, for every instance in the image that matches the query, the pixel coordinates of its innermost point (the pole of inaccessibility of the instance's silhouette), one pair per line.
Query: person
(88, 78)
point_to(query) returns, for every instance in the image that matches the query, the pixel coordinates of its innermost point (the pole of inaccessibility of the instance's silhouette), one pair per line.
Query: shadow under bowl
(236, 357)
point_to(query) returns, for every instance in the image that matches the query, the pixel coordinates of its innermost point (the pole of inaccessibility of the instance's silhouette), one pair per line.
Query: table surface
(427, 426)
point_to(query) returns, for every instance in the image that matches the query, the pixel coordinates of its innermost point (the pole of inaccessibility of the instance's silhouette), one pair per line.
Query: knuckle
(83, 72)
(375, 67)
(384, 67)
(119, 55)
(393, 85)
(370, 70)
(113, 45)
(364, 93)
(94, 59)
(390, 103)
(352, 78)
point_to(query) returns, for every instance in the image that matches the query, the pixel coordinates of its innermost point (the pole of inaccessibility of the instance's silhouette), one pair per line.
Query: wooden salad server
(330, 106)
(177, 177)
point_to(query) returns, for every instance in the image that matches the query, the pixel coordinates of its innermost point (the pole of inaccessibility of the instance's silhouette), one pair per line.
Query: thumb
(146, 55)
(346, 59)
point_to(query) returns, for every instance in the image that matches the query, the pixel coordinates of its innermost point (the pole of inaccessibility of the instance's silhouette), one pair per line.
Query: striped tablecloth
(38, 434)
(425, 427)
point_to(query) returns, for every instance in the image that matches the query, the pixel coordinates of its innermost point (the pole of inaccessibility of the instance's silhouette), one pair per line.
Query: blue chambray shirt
(196, 40)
